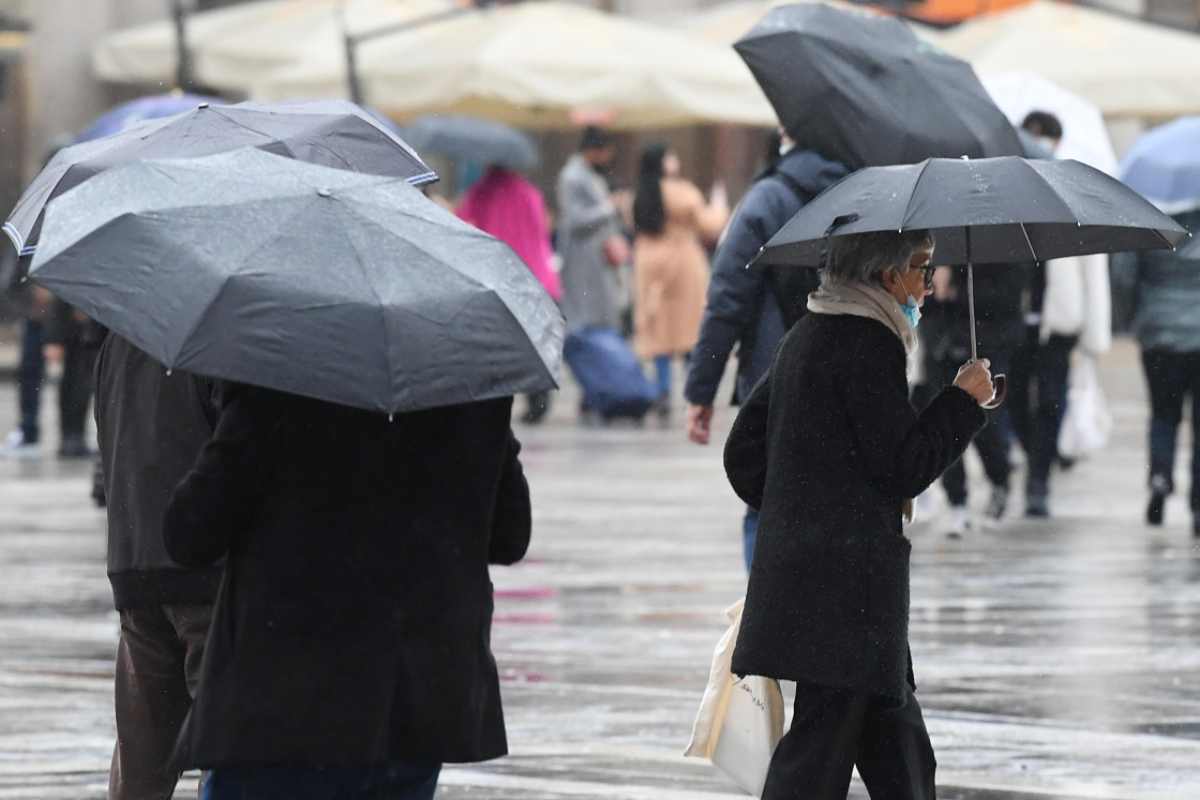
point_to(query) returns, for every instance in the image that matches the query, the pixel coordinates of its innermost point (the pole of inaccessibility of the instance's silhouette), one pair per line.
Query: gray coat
(1163, 295)
(586, 219)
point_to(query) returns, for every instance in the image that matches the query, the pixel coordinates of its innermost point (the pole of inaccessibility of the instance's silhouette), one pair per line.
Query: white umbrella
(1085, 136)
(542, 65)
(231, 46)
(1124, 67)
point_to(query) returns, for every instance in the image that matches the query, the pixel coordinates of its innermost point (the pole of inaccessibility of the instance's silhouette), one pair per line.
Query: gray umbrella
(332, 133)
(349, 288)
(864, 90)
(468, 138)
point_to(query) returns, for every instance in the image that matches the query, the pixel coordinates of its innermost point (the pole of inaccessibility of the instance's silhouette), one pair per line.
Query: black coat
(743, 308)
(151, 428)
(828, 448)
(354, 619)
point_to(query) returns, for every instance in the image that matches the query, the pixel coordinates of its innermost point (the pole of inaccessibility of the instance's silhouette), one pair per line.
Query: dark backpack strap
(792, 285)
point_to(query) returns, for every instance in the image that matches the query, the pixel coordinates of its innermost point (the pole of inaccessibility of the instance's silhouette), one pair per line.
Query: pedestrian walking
(349, 655)
(1069, 304)
(509, 207)
(151, 428)
(752, 309)
(946, 345)
(590, 238)
(672, 221)
(1166, 291)
(831, 451)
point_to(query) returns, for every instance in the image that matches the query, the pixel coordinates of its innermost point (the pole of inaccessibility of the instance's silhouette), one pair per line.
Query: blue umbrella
(126, 115)
(1164, 165)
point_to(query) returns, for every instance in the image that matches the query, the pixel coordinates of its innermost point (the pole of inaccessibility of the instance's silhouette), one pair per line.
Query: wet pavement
(1056, 660)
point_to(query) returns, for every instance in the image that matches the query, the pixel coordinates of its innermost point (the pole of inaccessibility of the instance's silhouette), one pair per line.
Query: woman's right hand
(975, 378)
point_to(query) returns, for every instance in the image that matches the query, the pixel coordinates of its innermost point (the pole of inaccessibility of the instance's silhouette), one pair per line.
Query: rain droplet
(168, 372)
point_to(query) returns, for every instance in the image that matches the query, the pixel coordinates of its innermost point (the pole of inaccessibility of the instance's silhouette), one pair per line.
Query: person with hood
(506, 205)
(672, 222)
(349, 654)
(753, 309)
(1166, 295)
(151, 427)
(830, 449)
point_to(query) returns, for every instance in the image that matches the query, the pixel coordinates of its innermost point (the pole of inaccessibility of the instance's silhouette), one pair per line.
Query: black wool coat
(828, 448)
(353, 622)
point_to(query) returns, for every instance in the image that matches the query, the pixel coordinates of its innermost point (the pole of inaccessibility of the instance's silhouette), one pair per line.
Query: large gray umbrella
(349, 288)
(469, 138)
(332, 133)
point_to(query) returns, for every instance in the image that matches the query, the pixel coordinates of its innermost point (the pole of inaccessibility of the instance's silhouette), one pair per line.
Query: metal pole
(353, 81)
(971, 297)
(183, 57)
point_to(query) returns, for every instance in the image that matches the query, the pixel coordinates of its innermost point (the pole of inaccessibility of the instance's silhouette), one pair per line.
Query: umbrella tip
(324, 193)
(168, 372)
(204, 105)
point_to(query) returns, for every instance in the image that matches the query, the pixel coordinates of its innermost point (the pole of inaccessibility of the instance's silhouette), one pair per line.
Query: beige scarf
(871, 302)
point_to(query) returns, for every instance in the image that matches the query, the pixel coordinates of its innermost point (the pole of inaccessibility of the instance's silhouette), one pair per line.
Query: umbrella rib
(387, 341)
(913, 192)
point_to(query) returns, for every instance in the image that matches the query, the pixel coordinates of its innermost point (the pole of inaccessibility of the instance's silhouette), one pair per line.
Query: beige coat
(671, 272)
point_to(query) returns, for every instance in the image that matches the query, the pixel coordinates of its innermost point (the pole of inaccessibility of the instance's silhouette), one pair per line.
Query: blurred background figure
(1069, 304)
(672, 221)
(509, 207)
(1166, 291)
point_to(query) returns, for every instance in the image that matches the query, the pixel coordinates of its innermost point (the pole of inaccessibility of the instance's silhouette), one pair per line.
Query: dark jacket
(1161, 295)
(1000, 296)
(151, 428)
(354, 620)
(828, 448)
(742, 309)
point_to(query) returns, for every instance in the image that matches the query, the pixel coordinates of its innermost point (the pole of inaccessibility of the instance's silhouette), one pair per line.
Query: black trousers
(1171, 378)
(992, 443)
(835, 730)
(77, 386)
(1037, 400)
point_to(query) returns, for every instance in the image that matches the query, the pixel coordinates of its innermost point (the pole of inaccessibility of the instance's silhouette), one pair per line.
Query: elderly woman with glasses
(831, 452)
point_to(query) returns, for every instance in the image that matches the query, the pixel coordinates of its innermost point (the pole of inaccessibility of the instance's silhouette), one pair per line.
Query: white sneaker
(15, 446)
(960, 522)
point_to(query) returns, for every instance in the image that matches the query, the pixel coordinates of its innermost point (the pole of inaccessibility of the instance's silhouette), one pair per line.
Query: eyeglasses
(927, 277)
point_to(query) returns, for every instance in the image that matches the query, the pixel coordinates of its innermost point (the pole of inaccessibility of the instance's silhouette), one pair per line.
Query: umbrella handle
(999, 392)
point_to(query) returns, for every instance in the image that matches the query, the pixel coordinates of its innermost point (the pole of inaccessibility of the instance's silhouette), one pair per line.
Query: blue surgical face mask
(912, 312)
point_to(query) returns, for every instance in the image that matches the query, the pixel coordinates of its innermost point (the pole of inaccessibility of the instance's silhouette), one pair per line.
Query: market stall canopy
(728, 22)
(541, 65)
(1124, 67)
(1085, 136)
(230, 46)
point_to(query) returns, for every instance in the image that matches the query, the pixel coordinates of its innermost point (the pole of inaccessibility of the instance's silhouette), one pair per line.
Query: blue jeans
(395, 782)
(31, 377)
(662, 372)
(749, 535)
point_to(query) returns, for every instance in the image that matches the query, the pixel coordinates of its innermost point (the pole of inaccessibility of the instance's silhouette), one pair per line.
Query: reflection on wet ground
(1056, 661)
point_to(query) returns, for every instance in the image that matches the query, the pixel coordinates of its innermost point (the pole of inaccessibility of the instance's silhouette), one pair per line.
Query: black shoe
(1196, 526)
(74, 448)
(1154, 511)
(1037, 506)
(997, 503)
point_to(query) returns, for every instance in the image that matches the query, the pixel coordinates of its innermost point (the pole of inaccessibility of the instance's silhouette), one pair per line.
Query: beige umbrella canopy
(541, 65)
(1125, 67)
(231, 46)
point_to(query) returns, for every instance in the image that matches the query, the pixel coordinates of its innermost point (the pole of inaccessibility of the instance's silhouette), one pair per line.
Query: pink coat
(511, 208)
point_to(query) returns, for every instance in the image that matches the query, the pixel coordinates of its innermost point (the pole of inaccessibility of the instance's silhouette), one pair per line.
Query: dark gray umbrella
(349, 288)
(864, 90)
(468, 138)
(332, 133)
(994, 210)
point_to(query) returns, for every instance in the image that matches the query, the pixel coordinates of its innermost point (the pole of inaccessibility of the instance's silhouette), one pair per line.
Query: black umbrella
(864, 90)
(468, 138)
(349, 288)
(994, 210)
(331, 133)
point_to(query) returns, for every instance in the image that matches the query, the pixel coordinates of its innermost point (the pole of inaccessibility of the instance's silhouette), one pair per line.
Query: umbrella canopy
(1123, 66)
(1085, 135)
(230, 46)
(336, 134)
(994, 210)
(129, 114)
(540, 65)
(349, 288)
(884, 96)
(468, 138)
(730, 21)
(1164, 165)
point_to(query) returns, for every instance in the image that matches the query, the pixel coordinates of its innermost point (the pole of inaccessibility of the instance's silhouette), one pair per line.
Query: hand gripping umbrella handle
(999, 382)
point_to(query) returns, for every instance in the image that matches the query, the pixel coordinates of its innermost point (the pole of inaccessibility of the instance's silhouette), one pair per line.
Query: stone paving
(1056, 661)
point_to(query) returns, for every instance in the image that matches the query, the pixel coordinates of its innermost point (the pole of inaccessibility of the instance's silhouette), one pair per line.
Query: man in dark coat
(151, 428)
(831, 451)
(352, 630)
(753, 309)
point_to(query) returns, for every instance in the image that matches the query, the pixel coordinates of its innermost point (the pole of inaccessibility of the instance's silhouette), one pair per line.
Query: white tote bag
(740, 720)
(1088, 423)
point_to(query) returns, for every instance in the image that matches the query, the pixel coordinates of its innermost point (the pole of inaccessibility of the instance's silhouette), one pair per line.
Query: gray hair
(865, 257)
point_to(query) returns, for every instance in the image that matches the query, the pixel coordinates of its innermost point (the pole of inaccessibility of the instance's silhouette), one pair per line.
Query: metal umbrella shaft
(999, 382)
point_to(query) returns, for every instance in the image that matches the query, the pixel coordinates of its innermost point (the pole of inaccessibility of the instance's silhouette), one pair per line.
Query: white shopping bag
(1088, 423)
(740, 719)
